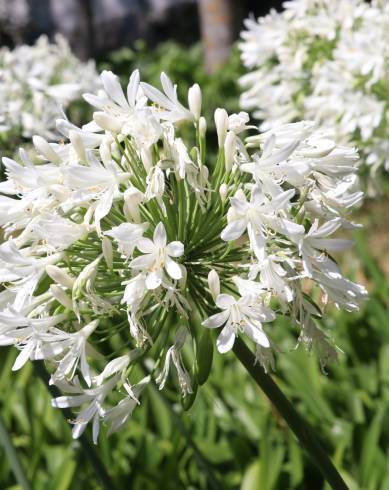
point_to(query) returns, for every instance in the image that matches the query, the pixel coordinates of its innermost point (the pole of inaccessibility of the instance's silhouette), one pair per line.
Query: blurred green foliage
(231, 438)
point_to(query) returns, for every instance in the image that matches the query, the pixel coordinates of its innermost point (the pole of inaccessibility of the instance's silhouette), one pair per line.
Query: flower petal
(159, 236)
(216, 320)
(173, 269)
(256, 334)
(225, 301)
(233, 230)
(154, 279)
(175, 249)
(225, 340)
(146, 246)
(113, 88)
(142, 262)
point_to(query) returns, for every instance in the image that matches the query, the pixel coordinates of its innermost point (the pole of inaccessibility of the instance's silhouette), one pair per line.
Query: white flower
(157, 257)
(171, 109)
(244, 315)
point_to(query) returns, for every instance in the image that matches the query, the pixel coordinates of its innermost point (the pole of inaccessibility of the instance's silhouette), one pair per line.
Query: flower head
(123, 236)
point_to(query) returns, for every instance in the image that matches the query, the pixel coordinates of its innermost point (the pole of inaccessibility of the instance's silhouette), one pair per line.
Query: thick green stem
(299, 426)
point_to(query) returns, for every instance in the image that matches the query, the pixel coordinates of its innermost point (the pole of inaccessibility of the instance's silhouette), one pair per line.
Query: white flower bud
(146, 158)
(194, 100)
(106, 246)
(221, 121)
(106, 122)
(78, 145)
(132, 198)
(105, 152)
(60, 295)
(59, 276)
(223, 191)
(214, 283)
(45, 149)
(229, 150)
(202, 127)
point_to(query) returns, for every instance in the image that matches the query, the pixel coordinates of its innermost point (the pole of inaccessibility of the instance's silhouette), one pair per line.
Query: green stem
(298, 425)
(88, 447)
(13, 457)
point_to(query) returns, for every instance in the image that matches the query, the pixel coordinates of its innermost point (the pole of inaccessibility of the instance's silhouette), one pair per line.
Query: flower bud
(60, 295)
(146, 158)
(106, 246)
(132, 198)
(194, 100)
(45, 149)
(78, 145)
(214, 283)
(221, 122)
(59, 276)
(106, 122)
(105, 152)
(223, 191)
(202, 127)
(229, 150)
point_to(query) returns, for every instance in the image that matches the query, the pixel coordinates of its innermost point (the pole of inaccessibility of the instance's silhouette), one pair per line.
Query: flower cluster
(126, 244)
(36, 83)
(326, 60)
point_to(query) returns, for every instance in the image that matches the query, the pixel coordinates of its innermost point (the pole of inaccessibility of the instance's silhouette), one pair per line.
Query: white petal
(132, 88)
(233, 230)
(225, 301)
(256, 334)
(146, 246)
(154, 279)
(217, 320)
(173, 269)
(113, 88)
(23, 356)
(226, 340)
(143, 262)
(160, 235)
(175, 249)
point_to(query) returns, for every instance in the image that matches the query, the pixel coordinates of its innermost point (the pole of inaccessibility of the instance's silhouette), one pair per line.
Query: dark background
(95, 27)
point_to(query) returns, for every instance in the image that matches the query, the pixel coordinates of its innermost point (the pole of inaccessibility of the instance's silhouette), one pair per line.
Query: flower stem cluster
(125, 244)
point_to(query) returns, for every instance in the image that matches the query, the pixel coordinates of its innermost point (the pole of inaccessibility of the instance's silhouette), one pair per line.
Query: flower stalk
(296, 423)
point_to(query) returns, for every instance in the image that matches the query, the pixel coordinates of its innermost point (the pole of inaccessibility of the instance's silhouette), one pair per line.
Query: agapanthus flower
(325, 60)
(121, 252)
(37, 83)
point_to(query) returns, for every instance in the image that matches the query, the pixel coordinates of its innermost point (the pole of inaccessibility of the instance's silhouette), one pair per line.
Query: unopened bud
(106, 122)
(45, 149)
(221, 122)
(229, 150)
(60, 295)
(106, 246)
(78, 145)
(194, 100)
(214, 283)
(105, 152)
(146, 158)
(202, 127)
(132, 198)
(59, 276)
(223, 191)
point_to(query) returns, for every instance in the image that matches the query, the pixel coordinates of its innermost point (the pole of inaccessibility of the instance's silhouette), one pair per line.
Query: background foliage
(231, 438)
